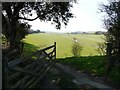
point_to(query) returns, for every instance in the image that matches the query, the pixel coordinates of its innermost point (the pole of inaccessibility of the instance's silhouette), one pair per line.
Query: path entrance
(77, 80)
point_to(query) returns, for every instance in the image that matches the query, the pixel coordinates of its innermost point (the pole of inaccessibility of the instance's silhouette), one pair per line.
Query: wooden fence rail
(26, 72)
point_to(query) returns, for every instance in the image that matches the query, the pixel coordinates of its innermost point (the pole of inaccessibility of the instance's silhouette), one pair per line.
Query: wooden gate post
(108, 61)
(5, 73)
(55, 49)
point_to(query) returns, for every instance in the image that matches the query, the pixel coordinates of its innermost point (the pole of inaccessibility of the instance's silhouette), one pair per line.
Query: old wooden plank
(43, 74)
(54, 56)
(43, 70)
(5, 73)
(18, 73)
(14, 62)
(47, 55)
(29, 82)
(24, 85)
(28, 76)
(40, 72)
(20, 82)
(25, 71)
(50, 53)
(27, 67)
(24, 79)
(17, 61)
(33, 79)
(44, 49)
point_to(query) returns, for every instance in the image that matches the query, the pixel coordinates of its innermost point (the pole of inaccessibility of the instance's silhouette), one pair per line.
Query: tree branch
(28, 19)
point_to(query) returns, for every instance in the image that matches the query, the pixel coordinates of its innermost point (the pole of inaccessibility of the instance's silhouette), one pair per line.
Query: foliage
(101, 48)
(76, 49)
(92, 64)
(15, 15)
(112, 24)
(4, 40)
(17, 12)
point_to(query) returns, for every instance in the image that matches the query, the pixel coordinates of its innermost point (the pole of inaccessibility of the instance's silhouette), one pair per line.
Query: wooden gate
(28, 71)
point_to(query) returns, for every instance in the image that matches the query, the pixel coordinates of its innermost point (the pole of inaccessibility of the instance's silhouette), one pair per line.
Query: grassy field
(65, 41)
(91, 64)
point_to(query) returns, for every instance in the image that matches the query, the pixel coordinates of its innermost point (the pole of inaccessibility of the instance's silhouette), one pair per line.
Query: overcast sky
(87, 18)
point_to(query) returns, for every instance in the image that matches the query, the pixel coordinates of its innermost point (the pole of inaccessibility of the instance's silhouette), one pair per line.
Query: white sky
(87, 18)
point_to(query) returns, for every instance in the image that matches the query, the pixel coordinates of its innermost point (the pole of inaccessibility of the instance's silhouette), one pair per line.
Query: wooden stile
(32, 72)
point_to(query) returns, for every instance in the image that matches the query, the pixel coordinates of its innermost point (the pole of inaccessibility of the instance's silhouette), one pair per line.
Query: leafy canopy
(15, 15)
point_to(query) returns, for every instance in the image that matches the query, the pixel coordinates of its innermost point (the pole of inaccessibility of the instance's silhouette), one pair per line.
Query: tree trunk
(108, 64)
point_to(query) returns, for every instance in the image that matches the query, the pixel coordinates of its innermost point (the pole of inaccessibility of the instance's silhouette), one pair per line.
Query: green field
(65, 41)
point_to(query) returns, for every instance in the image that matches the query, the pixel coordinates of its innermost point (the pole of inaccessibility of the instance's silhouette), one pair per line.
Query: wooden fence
(28, 71)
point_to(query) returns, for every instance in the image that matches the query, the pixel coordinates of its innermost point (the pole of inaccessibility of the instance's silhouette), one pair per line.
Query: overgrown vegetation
(101, 48)
(76, 49)
(112, 24)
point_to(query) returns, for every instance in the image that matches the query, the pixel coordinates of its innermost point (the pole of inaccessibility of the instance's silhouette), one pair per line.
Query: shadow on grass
(94, 65)
(29, 49)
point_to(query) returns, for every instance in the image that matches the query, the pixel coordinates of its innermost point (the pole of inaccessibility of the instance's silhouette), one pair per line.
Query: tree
(14, 13)
(112, 24)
